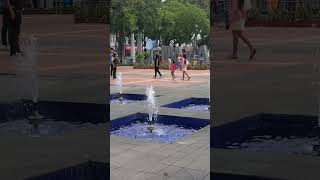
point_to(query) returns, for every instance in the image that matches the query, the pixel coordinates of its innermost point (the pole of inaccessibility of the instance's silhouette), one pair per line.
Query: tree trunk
(133, 51)
(121, 44)
(139, 42)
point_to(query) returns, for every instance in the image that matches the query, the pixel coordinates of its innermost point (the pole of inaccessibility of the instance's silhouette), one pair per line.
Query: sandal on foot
(253, 53)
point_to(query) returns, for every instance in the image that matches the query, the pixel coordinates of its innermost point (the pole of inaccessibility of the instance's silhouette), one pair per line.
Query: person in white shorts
(237, 15)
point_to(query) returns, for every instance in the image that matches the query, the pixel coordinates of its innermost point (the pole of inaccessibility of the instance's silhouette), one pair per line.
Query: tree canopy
(175, 21)
(181, 21)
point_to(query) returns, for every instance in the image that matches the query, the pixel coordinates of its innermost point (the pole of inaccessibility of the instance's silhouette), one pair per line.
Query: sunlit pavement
(187, 158)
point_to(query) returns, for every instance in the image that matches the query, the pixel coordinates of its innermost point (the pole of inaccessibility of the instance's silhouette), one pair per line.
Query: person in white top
(169, 61)
(185, 64)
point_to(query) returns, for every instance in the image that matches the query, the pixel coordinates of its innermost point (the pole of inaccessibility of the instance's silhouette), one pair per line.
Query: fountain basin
(224, 176)
(56, 117)
(276, 133)
(168, 129)
(198, 104)
(89, 170)
(127, 98)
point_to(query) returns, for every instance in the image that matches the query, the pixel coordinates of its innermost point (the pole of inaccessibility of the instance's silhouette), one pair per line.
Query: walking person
(185, 64)
(14, 25)
(237, 15)
(173, 68)
(114, 65)
(169, 61)
(157, 65)
(111, 61)
(226, 14)
(4, 29)
(179, 61)
(214, 7)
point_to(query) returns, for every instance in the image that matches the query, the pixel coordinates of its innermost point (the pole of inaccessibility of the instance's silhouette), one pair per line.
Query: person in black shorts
(14, 25)
(157, 65)
(4, 29)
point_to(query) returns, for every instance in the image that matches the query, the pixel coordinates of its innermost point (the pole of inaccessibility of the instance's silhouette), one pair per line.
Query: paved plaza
(188, 158)
(278, 81)
(71, 58)
(72, 68)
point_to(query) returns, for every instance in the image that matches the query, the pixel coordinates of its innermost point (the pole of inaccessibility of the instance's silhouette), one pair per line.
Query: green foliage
(146, 55)
(180, 21)
(140, 57)
(96, 12)
(280, 14)
(123, 18)
(203, 4)
(167, 21)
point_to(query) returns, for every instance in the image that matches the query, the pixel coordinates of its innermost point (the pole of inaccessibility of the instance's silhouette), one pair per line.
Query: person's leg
(4, 29)
(14, 43)
(188, 76)
(155, 72)
(18, 26)
(226, 20)
(159, 72)
(183, 75)
(115, 72)
(235, 43)
(11, 36)
(111, 70)
(246, 40)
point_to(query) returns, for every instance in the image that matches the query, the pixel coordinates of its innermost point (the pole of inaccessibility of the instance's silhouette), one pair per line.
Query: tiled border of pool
(261, 124)
(186, 102)
(59, 111)
(225, 176)
(185, 122)
(89, 170)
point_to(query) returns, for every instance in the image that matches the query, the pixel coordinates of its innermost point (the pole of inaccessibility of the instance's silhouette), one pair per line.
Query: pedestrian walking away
(115, 62)
(4, 29)
(111, 61)
(157, 65)
(169, 61)
(226, 14)
(185, 68)
(237, 14)
(14, 25)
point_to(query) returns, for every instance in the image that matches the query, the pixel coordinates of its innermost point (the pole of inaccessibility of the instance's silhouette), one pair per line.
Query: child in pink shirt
(173, 68)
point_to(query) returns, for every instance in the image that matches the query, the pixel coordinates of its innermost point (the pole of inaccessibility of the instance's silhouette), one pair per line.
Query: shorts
(239, 25)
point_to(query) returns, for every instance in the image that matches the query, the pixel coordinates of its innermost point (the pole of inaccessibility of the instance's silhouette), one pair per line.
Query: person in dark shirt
(114, 65)
(111, 61)
(5, 19)
(157, 65)
(14, 24)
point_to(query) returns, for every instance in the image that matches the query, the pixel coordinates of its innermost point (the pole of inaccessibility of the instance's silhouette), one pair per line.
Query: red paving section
(144, 77)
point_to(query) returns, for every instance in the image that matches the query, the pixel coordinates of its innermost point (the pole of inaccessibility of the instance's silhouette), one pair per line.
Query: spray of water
(152, 106)
(26, 67)
(120, 82)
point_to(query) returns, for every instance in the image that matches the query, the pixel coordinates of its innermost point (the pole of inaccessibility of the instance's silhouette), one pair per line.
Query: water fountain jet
(152, 108)
(27, 69)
